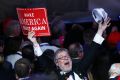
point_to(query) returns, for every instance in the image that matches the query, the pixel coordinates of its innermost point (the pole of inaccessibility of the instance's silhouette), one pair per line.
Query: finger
(108, 24)
(33, 33)
(108, 20)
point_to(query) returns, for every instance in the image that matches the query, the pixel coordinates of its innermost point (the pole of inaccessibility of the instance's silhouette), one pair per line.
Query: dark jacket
(82, 67)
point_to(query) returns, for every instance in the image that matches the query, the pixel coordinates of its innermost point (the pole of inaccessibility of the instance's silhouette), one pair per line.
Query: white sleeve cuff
(98, 39)
(37, 50)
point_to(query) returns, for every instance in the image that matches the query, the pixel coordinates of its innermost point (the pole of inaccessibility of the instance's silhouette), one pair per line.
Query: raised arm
(94, 47)
(37, 50)
(101, 28)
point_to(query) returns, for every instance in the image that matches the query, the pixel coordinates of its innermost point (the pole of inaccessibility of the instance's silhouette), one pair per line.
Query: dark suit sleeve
(89, 56)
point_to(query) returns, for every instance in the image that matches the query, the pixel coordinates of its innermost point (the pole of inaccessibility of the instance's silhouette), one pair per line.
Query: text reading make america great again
(34, 19)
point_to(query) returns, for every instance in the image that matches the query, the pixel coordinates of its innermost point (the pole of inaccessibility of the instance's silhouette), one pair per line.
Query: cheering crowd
(77, 54)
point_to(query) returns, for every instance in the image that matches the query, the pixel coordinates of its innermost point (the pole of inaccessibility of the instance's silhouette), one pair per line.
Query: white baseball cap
(99, 14)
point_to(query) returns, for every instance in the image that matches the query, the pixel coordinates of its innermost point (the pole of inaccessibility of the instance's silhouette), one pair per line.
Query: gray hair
(59, 51)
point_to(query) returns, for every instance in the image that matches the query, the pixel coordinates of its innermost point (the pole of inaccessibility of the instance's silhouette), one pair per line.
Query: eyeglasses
(63, 58)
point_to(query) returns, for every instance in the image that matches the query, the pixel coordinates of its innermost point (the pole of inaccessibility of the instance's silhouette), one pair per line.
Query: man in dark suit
(65, 69)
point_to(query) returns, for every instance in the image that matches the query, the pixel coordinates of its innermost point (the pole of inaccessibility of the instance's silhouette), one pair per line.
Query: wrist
(35, 42)
(100, 32)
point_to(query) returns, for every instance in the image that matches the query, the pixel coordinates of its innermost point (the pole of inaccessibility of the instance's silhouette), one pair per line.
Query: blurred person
(6, 72)
(74, 35)
(11, 28)
(113, 37)
(115, 55)
(28, 53)
(12, 50)
(114, 71)
(57, 31)
(40, 77)
(15, 52)
(76, 51)
(45, 44)
(22, 69)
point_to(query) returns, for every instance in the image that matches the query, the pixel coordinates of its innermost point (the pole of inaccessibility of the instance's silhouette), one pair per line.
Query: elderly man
(66, 70)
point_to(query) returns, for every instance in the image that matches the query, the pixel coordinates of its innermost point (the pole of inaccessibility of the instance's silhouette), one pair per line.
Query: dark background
(71, 10)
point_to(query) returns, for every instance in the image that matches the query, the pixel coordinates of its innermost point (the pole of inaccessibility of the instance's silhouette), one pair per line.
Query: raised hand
(31, 37)
(102, 26)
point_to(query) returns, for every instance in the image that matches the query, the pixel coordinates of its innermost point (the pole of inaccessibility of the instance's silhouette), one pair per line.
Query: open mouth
(67, 63)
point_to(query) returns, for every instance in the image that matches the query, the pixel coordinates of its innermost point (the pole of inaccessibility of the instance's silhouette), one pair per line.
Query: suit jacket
(81, 67)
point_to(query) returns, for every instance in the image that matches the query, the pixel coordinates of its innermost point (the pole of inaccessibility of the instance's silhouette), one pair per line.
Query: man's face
(63, 61)
(76, 50)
